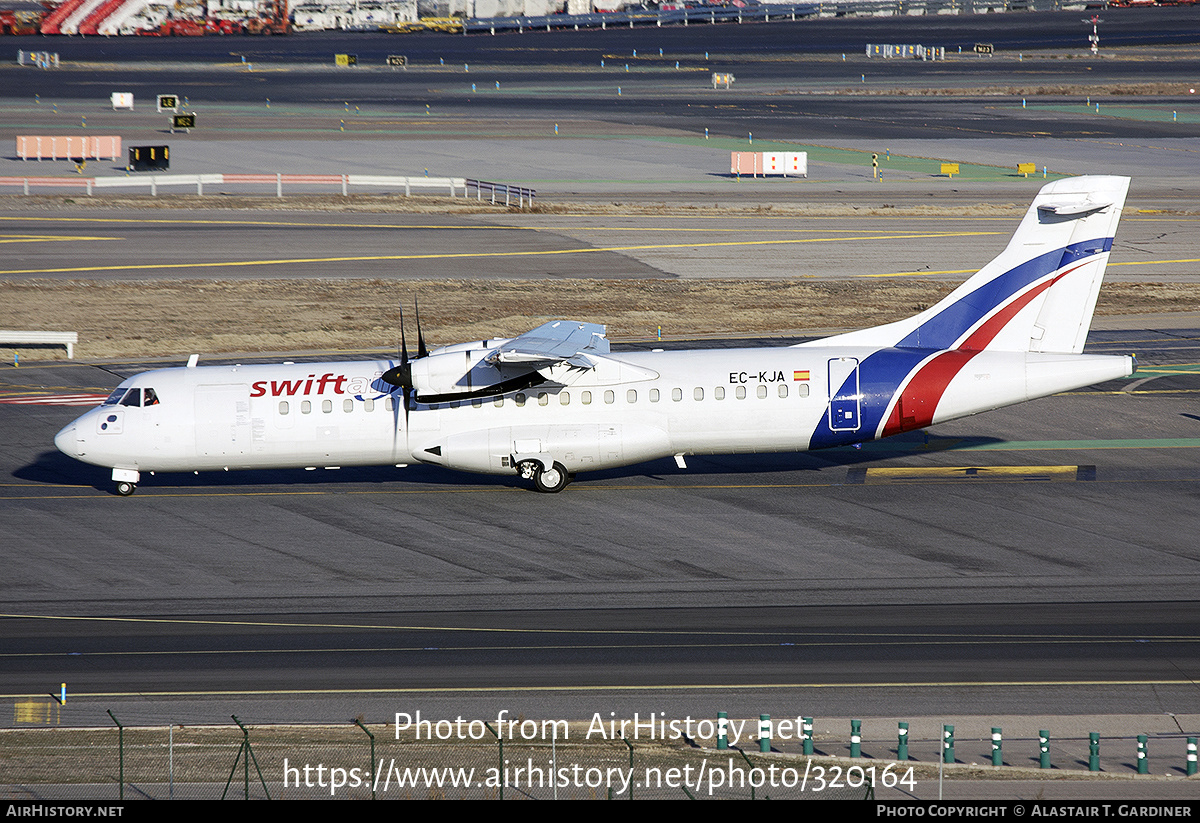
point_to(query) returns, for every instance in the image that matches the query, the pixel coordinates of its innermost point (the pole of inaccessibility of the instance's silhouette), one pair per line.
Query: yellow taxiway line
(473, 255)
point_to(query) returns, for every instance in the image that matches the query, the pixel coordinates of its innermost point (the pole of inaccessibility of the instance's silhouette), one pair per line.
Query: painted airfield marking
(210, 222)
(1167, 370)
(708, 632)
(1139, 391)
(45, 399)
(900, 233)
(721, 217)
(858, 684)
(1072, 445)
(149, 493)
(974, 474)
(919, 639)
(972, 271)
(478, 255)
(48, 238)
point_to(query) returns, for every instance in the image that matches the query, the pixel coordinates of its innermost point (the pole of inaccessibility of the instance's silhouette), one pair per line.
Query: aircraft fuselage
(633, 407)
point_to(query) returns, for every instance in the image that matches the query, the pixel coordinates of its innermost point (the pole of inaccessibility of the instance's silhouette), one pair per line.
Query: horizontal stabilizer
(1073, 209)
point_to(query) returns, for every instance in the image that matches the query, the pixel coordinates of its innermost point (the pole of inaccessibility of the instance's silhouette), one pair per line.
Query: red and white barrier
(755, 163)
(68, 147)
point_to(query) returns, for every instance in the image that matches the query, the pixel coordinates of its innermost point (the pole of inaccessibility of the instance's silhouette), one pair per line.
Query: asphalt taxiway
(1034, 561)
(1083, 498)
(1030, 567)
(182, 244)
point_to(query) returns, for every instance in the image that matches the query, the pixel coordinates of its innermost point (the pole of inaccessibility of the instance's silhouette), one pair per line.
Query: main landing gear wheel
(125, 488)
(547, 481)
(551, 480)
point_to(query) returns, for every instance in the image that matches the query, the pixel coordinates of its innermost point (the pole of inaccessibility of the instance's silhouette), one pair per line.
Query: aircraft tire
(125, 488)
(552, 480)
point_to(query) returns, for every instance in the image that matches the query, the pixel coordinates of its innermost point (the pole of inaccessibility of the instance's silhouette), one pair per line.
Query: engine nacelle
(453, 372)
(464, 372)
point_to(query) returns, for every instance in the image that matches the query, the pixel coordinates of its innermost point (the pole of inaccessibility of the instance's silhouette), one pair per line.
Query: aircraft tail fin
(1038, 295)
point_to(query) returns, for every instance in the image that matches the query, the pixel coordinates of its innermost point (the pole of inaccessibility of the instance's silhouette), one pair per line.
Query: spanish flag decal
(799, 375)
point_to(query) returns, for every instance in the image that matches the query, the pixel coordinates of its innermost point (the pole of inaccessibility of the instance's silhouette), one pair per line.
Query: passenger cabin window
(762, 390)
(740, 392)
(564, 398)
(802, 390)
(609, 397)
(676, 394)
(654, 395)
(585, 398)
(326, 406)
(283, 407)
(305, 407)
(698, 393)
(719, 393)
(498, 402)
(543, 398)
(390, 404)
(369, 405)
(783, 391)
(631, 396)
(347, 405)
(520, 399)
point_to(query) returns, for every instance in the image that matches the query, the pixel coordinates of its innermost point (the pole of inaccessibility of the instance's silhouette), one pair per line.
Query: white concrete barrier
(41, 338)
(276, 181)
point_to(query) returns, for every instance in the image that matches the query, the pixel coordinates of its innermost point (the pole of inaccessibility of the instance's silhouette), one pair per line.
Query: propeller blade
(401, 375)
(421, 350)
(403, 342)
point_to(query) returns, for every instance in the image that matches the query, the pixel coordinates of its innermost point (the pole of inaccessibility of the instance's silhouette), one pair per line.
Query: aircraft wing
(559, 341)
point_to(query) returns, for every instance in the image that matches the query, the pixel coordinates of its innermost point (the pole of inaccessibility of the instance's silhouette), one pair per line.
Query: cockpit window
(115, 397)
(132, 397)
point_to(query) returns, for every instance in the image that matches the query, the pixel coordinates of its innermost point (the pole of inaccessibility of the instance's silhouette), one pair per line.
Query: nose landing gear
(126, 480)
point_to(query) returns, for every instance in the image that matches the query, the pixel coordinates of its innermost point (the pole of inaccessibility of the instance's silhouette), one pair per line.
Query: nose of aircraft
(66, 441)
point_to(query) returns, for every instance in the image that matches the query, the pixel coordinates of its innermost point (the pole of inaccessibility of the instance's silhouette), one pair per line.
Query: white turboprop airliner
(555, 400)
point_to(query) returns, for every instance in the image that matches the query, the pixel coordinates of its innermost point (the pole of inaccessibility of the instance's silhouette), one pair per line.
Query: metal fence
(524, 758)
(501, 190)
(355, 762)
(276, 183)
